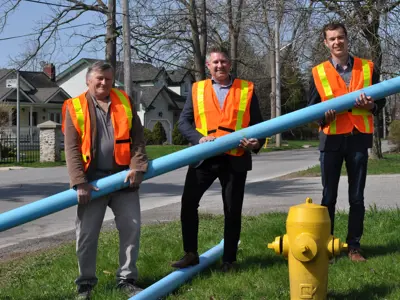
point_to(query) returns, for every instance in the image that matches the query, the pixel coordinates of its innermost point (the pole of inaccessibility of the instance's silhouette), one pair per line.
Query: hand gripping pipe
(175, 279)
(199, 152)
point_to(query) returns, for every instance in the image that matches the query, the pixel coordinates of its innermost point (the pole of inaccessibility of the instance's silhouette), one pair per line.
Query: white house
(161, 94)
(40, 97)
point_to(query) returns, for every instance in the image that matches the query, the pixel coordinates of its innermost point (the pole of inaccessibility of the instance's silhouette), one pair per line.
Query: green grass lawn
(390, 164)
(289, 145)
(260, 274)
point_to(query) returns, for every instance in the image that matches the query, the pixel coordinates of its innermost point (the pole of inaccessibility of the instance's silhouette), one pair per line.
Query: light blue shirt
(221, 90)
(344, 72)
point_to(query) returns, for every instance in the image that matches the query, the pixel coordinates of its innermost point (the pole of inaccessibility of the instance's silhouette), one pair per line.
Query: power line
(36, 33)
(47, 3)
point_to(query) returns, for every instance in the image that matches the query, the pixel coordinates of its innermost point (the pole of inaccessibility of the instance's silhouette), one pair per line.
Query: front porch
(30, 117)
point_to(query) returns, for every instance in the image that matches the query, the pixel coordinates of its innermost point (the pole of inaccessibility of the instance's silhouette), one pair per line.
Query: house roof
(38, 89)
(38, 79)
(177, 76)
(150, 93)
(4, 72)
(140, 71)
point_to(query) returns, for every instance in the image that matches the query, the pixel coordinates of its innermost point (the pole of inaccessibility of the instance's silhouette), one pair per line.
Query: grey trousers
(126, 208)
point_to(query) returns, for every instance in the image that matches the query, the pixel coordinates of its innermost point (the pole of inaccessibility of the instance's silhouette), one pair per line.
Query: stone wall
(50, 141)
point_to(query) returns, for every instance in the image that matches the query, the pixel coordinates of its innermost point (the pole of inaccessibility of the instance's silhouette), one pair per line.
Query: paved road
(160, 196)
(20, 187)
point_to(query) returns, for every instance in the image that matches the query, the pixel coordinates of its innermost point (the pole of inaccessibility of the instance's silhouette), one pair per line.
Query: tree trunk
(376, 50)
(376, 152)
(273, 83)
(111, 38)
(199, 39)
(234, 32)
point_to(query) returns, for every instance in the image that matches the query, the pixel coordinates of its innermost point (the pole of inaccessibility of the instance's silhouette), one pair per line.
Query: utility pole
(18, 118)
(127, 50)
(277, 71)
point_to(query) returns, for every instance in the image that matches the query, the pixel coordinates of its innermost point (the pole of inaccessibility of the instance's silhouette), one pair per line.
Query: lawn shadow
(59, 296)
(250, 262)
(367, 292)
(381, 250)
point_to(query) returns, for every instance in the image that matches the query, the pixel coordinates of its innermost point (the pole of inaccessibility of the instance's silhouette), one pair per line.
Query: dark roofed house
(40, 98)
(180, 81)
(161, 94)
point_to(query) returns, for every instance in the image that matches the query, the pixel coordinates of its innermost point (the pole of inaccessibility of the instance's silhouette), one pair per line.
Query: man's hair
(333, 26)
(217, 49)
(98, 66)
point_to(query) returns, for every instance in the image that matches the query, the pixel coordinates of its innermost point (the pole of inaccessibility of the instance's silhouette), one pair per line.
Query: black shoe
(189, 259)
(84, 292)
(128, 287)
(228, 267)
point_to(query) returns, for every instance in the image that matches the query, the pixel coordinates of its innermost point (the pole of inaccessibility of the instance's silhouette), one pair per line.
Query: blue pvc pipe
(172, 281)
(199, 152)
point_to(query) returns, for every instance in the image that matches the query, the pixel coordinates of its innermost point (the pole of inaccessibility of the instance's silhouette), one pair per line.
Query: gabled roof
(40, 87)
(38, 79)
(140, 71)
(47, 94)
(150, 93)
(177, 76)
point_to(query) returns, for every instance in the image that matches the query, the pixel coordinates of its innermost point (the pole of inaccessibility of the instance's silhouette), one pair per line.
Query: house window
(55, 117)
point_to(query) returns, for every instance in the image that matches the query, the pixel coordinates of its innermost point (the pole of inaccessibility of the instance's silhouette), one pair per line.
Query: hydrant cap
(304, 247)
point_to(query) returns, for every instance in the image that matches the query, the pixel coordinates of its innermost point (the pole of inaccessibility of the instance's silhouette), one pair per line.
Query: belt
(355, 131)
(106, 172)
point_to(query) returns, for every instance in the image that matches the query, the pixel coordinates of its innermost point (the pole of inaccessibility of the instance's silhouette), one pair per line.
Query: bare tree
(364, 17)
(171, 32)
(234, 22)
(65, 13)
(294, 31)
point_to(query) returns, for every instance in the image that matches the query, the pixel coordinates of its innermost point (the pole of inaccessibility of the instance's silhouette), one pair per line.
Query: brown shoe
(355, 255)
(189, 259)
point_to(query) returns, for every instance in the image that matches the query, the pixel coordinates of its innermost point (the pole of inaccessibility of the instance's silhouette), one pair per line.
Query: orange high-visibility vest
(121, 117)
(213, 120)
(330, 85)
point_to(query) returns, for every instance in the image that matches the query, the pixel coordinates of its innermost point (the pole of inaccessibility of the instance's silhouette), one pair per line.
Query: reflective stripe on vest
(121, 116)
(324, 81)
(126, 105)
(244, 90)
(361, 78)
(208, 111)
(76, 103)
(200, 104)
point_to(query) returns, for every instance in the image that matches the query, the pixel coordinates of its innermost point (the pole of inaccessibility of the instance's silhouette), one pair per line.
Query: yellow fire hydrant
(308, 246)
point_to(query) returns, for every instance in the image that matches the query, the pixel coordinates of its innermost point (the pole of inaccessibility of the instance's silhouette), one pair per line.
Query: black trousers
(198, 180)
(356, 165)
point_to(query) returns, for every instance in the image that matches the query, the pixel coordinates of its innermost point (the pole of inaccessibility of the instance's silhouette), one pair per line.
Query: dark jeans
(198, 180)
(356, 165)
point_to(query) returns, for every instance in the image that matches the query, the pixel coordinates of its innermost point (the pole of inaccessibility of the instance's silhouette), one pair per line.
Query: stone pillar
(50, 141)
